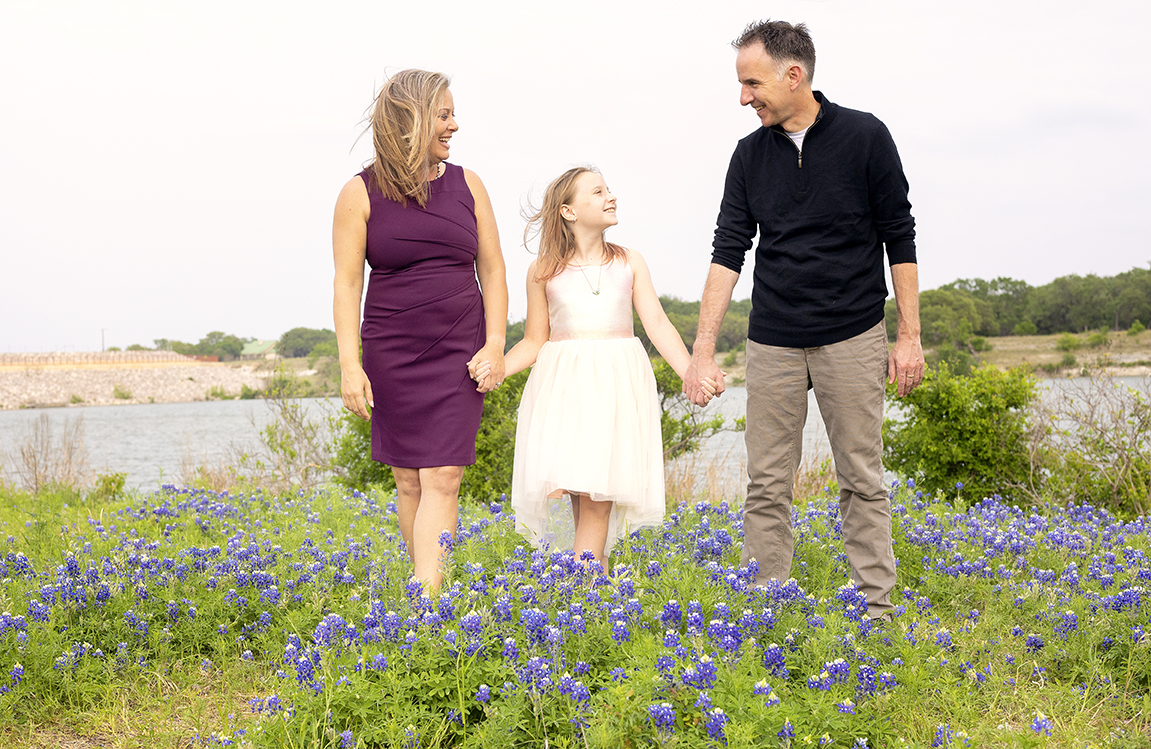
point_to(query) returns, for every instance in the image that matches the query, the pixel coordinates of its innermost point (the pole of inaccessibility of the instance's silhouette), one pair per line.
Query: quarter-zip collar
(826, 108)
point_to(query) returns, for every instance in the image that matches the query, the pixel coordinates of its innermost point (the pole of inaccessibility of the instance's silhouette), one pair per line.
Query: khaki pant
(848, 379)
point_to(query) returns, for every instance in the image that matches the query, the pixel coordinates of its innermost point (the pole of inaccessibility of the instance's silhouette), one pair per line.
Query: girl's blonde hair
(403, 125)
(557, 242)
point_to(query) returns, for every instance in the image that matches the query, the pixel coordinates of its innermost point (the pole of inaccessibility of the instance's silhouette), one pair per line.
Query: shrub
(1068, 342)
(962, 430)
(495, 447)
(682, 424)
(1025, 327)
(979, 343)
(119, 392)
(1098, 339)
(1091, 442)
(683, 427)
(1136, 328)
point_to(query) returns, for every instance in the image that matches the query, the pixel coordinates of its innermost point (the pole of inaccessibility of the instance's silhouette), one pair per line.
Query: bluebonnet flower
(618, 674)
(787, 732)
(716, 720)
(1041, 724)
(346, 739)
(1034, 643)
(484, 693)
(662, 716)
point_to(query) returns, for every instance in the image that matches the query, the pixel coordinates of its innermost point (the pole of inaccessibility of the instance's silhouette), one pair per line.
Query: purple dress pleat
(423, 321)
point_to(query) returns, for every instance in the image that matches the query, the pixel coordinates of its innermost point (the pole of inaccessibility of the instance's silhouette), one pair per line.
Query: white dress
(589, 419)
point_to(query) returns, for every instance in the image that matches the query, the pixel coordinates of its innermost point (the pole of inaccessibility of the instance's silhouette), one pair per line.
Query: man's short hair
(786, 44)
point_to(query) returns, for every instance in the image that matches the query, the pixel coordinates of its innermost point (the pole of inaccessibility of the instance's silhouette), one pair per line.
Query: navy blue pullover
(824, 218)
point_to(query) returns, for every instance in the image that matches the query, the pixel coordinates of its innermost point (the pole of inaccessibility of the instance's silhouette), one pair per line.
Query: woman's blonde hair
(403, 125)
(557, 242)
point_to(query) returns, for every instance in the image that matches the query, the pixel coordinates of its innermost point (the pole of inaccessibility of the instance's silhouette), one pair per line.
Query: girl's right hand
(356, 391)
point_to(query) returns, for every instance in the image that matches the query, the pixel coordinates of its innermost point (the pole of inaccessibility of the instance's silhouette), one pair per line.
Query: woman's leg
(408, 499)
(591, 530)
(438, 511)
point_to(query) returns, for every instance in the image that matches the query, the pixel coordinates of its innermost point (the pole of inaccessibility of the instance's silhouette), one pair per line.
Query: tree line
(956, 316)
(1005, 306)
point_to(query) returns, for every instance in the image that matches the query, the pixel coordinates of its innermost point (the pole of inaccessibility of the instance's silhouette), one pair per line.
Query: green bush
(1098, 339)
(1136, 328)
(1024, 327)
(495, 447)
(683, 427)
(1068, 342)
(1092, 443)
(962, 430)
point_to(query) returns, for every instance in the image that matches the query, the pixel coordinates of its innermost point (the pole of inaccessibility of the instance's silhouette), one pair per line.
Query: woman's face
(445, 127)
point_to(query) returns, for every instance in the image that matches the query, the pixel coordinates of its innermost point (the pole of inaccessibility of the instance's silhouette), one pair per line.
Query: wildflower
(787, 732)
(484, 693)
(1034, 643)
(716, 720)
(1041, 724)
(847, 706)
(346, 739)
(662, 716)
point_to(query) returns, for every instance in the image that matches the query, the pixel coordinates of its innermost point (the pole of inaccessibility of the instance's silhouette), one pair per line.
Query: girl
(589, 420)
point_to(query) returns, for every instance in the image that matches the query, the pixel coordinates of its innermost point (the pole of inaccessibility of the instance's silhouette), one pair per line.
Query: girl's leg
(408, 499)
(574, 497)
(591, 531)
(437, 512)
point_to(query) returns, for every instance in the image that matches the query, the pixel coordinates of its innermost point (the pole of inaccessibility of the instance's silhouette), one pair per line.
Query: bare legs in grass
(591, 520)
(429, 505)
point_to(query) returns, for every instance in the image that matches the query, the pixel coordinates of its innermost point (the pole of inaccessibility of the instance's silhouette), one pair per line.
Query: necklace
(439, 172)
(594, 289)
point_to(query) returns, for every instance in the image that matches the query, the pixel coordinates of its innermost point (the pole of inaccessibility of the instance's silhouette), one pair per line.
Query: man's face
(760, 87)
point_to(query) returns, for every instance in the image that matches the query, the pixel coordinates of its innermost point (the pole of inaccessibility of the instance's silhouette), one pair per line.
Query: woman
(427, 230)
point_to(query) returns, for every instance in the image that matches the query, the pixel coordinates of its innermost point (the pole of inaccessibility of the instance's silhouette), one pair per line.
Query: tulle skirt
(589, 422)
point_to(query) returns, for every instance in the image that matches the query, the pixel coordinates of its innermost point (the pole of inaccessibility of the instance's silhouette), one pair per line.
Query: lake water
(152, 442)
(149, 442)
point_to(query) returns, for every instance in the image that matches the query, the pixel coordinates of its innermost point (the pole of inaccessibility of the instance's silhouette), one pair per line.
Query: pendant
(595, 292)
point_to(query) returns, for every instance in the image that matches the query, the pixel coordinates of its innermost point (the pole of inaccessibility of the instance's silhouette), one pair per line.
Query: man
(824, 187)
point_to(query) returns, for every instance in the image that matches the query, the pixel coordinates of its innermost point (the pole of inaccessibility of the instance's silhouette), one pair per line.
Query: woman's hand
(357, 392)
(487, 367)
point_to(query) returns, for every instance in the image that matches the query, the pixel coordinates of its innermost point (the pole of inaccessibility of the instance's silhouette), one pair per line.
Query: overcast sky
(170, 168)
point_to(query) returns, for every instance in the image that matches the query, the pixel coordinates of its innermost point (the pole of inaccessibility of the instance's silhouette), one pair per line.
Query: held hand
(356, 391)
(488, 366)
(700, 370)
(905, 364)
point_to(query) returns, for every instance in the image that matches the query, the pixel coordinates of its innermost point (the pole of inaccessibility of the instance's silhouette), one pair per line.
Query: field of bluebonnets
(260, 620)
(186, 617)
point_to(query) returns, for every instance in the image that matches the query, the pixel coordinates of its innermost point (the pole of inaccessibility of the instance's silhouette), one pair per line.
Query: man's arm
(905, 364)
(716, 298)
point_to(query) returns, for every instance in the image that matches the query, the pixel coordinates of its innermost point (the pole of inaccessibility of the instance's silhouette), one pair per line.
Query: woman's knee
(407, 480)
(442, 479)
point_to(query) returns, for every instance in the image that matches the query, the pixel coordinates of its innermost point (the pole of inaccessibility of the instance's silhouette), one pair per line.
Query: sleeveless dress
(589, 419)
(423, 321)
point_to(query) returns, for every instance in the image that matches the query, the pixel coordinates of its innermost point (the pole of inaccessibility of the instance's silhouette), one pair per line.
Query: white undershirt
(797, 138)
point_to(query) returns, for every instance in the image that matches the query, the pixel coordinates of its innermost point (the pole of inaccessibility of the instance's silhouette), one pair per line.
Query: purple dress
(423, 322)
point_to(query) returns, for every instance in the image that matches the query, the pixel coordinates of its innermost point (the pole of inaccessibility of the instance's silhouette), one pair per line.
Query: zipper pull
(801, 159)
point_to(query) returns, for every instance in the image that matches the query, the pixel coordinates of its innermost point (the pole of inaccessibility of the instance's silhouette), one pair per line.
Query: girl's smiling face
(593, 205)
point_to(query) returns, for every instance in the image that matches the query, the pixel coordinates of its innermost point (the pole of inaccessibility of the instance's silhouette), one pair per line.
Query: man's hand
(905, 364)
(702, 368)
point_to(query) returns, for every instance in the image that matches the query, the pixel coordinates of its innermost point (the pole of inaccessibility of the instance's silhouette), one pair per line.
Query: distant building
(259, 350)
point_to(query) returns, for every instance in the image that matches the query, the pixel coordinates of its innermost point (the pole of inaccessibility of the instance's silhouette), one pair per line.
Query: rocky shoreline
(96, 385)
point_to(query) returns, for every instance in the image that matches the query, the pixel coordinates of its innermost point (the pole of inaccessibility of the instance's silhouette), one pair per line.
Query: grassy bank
(1067, 353)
